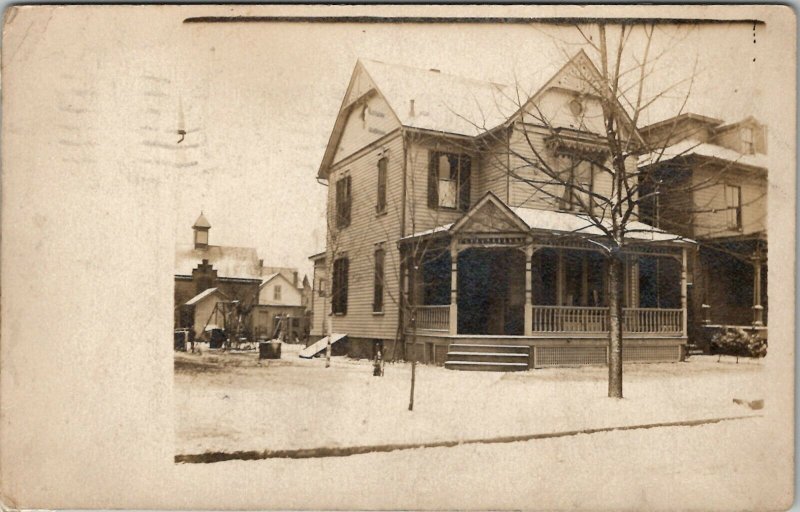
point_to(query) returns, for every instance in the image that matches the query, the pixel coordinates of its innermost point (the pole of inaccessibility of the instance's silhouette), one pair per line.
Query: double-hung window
(733, 206)
(449, 181)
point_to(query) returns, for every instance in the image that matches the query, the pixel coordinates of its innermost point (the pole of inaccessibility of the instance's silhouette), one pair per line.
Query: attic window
(748, 146)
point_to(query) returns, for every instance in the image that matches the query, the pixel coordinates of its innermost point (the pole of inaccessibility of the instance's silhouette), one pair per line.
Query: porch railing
(572, 319)
(653, 320)
(433, 318)
(569, 319)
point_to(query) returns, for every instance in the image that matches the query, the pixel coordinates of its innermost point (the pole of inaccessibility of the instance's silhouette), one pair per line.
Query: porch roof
(563, 223)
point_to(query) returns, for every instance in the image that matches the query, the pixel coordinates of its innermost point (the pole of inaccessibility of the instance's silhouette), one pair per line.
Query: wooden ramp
(312, 350)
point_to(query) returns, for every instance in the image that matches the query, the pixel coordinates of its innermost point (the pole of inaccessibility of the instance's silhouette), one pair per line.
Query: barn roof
(229, 262)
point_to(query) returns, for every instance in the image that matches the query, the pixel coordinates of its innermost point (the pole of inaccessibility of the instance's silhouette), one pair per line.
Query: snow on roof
(692, 147)
(230, 262)
(565, 222)
(269, 277)
(442, 102)
(437, 229)
(200, 296)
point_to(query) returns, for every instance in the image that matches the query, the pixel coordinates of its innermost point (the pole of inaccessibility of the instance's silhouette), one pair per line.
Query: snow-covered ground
(234, 402)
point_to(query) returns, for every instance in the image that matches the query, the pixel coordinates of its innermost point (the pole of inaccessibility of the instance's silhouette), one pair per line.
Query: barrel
(269, 349)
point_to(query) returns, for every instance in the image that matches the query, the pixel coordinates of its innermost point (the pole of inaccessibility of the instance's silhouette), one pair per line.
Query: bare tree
(619, 84)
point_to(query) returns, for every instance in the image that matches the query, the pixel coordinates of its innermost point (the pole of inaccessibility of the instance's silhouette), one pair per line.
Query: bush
(736, 341)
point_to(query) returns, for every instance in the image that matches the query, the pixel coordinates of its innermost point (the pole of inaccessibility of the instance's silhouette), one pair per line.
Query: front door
(491, 291)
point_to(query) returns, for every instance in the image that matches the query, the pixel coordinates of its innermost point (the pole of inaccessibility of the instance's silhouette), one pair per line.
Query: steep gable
(364, 117)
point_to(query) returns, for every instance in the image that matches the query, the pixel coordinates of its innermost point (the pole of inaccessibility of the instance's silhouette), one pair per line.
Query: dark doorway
(491, 291)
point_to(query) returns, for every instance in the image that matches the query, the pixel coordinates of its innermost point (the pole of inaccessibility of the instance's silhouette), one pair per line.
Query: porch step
(499, 357)
(487, 358)
(483, 366)
(505, 349)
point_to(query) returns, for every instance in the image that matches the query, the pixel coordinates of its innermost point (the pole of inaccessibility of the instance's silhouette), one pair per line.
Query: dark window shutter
(345, 272)
(348, 201)
(381, 206)
(464, 182)
(377, 299)
(340, 205)
(433, 176)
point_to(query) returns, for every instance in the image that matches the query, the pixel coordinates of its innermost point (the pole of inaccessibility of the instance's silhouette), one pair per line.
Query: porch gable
(490, 215)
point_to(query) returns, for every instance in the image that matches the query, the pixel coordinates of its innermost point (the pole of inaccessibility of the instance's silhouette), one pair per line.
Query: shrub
(736, 341)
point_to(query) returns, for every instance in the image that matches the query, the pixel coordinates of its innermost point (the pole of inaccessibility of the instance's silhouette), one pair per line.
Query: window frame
(749, 140)
(735, 223)
(462, 198)
(276, 292)
(344, 201)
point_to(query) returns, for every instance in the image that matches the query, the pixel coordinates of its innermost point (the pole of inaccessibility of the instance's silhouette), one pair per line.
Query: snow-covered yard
(234, 402)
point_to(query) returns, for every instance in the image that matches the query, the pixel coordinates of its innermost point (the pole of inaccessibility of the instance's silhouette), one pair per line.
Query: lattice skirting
(594, 355)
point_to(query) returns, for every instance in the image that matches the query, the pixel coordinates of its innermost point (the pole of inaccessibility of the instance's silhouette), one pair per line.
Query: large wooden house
(712, 178)
(440, 249)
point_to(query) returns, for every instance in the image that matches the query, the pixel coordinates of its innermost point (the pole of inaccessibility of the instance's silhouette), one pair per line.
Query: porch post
(453, 324)
(684, 312)
(758, 309)
(528, 291)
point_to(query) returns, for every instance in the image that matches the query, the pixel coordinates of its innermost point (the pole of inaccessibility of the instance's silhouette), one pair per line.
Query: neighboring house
(424, 217)
(279, 296)
(712, 179)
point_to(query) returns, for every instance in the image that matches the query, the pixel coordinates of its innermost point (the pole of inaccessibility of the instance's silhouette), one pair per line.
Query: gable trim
(489, 197)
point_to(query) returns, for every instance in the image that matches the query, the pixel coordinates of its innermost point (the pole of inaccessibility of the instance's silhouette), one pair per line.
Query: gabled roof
(489, 199)
(202, 222)
(230, 262)
(203, 295)
(686, 116)
(442, 102)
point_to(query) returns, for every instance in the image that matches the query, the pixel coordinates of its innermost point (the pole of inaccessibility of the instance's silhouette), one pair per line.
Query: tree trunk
(413, 356)
(328, 346)
(616, 285)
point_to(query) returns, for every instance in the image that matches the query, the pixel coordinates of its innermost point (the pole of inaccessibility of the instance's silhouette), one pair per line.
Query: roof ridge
(436, 71)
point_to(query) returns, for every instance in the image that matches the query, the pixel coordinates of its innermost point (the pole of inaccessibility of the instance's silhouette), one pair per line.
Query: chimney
(434, 70)
(295, 278)
(411, 109)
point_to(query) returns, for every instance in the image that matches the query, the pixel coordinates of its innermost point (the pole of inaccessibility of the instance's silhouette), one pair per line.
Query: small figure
(377, 370)
(191, 337)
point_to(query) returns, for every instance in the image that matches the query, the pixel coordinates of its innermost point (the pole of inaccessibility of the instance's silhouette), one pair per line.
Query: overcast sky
(260, 100)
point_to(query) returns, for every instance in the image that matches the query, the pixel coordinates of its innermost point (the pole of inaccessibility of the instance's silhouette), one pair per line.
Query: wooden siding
(358, 240)
(710, 218)
(493, 175)
(368, 121)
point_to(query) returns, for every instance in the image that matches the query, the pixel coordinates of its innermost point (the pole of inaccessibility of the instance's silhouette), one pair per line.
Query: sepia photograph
(384, 257)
